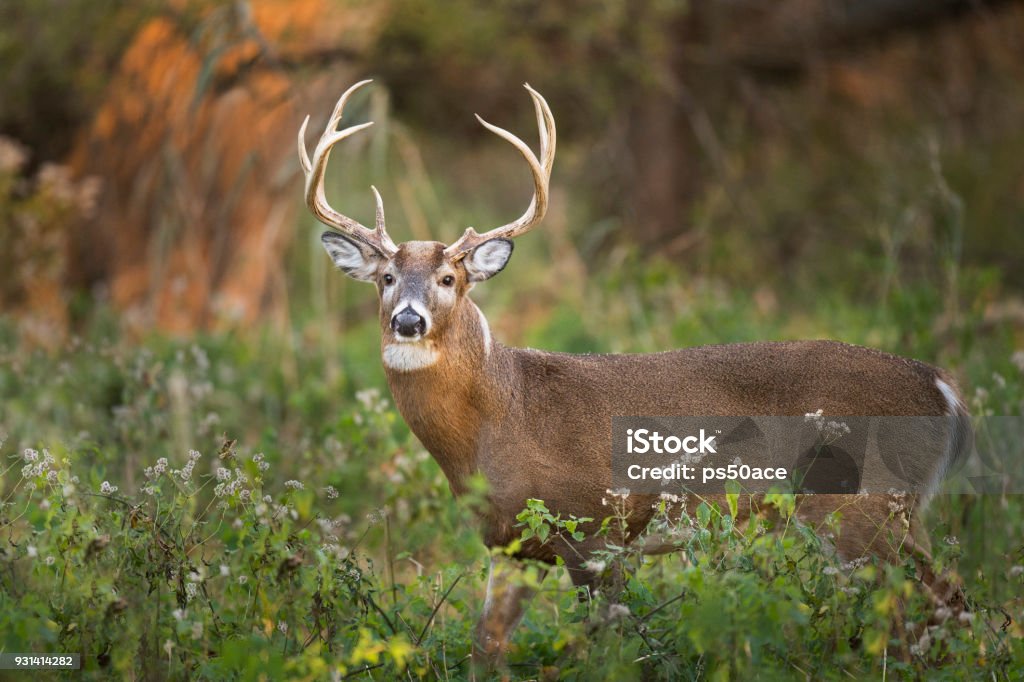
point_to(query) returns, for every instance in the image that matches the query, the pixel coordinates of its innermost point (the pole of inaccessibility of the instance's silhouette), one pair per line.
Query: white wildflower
(243, 579)
(186, 473)
(367, 397)
(283, 627)
(294, 485)
(207, 423)
(223, 474)
(200, 358)
(1018, 360)
(179, 614)
(50, 561)
(595, 566)
(813, 416)
(331, 492)
(191, 590)
(922, 646)
(107, 489)
(225, 570)
(951, 540)
(898, 503)
(1016, 571)
(30, 455)
(32, 552)
(617, 611)
(835, 430)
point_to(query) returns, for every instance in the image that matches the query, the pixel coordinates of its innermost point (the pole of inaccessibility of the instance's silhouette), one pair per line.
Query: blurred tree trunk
(195, 143)
(709, 43)
(786, 34)
(660, 171)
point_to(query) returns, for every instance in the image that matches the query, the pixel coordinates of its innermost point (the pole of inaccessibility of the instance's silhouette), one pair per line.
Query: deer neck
(447, 395)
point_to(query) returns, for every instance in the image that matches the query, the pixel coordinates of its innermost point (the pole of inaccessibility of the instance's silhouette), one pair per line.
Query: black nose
(407, 322)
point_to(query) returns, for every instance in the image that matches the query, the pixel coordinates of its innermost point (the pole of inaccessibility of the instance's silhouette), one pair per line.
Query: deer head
(422, 285)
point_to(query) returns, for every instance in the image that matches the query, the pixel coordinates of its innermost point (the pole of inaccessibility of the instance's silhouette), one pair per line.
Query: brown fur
(538, 424)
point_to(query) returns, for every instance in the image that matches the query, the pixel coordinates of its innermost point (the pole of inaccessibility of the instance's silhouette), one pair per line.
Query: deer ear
(358, 261)
(488, 259)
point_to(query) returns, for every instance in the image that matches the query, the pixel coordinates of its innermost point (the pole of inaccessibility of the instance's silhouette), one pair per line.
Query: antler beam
(541, 170)
(316, 169)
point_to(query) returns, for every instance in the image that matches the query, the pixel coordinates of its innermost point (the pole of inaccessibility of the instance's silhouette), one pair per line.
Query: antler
(316, 199)
(541, 175)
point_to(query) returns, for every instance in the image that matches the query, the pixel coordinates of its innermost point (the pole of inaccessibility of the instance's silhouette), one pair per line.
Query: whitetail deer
(537, 424)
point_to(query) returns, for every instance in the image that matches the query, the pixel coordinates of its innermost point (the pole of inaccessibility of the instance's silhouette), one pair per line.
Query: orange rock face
(195, 148)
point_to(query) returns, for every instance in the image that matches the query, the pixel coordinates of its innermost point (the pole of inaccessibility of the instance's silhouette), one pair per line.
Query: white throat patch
(485, 330)
(408, 357)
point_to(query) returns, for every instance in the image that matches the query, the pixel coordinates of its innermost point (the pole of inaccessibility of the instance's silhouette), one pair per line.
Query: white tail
(538, 424)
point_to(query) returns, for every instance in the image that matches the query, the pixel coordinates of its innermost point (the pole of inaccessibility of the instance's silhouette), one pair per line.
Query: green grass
(368, 567)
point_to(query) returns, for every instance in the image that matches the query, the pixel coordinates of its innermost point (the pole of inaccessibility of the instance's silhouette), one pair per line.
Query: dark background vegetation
(788, 146)
(726, 172)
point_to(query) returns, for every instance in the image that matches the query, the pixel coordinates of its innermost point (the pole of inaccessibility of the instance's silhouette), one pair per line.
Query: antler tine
(380, 210)
(540, 169)
(316, 169)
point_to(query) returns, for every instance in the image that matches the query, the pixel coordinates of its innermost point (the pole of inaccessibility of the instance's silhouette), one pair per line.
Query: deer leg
(596, 576)
(508, 593)
(945, 589)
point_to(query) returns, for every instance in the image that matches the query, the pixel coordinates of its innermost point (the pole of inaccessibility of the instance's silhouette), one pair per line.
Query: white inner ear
(488, 259)
(350, 258)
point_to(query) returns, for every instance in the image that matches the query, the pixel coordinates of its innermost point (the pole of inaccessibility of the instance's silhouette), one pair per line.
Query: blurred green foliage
(55, 60)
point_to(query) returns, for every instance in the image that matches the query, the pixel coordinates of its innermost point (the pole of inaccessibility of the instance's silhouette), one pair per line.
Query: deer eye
(447, 280)
(388, 279)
